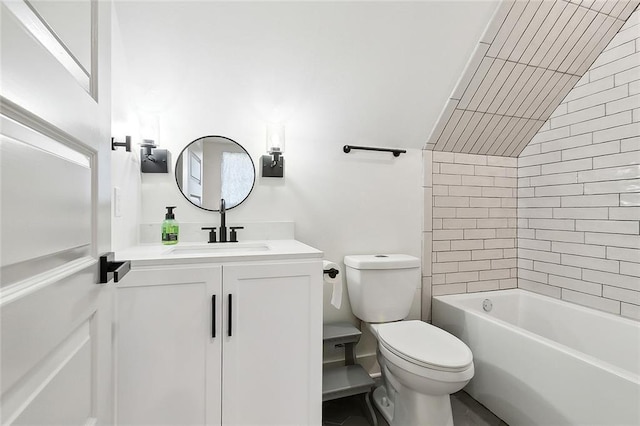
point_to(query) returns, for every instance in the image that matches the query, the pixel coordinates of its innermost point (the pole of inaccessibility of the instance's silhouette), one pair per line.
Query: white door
(168, 346)
(56, 353)
(272, 350)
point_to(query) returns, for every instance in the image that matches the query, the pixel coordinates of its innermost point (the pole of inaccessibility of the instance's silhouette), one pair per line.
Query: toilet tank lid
(382, 261)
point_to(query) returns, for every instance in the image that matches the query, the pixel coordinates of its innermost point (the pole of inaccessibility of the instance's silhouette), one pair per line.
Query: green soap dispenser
(170, 228)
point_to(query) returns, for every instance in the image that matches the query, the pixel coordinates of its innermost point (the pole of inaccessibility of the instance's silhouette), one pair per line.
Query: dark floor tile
(469, 412)
(351, 411)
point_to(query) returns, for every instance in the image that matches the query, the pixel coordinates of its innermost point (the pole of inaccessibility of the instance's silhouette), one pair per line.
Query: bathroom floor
(350, 412)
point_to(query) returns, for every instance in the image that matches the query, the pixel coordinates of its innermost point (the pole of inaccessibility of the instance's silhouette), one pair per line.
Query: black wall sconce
(153, 160)
(273, 164)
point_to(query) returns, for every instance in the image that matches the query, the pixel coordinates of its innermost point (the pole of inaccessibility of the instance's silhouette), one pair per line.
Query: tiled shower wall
(427, 234)
(579, 188)
(473, 217)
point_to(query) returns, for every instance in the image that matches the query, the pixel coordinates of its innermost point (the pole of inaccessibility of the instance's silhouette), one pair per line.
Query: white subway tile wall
(427, 234)
(473, 230)
(579, 189)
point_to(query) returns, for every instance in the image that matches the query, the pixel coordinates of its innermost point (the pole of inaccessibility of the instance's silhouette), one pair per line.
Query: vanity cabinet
(211, 344)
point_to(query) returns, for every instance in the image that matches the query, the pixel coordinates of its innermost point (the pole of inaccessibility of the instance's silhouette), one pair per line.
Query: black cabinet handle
(213, 316)
(230, 315)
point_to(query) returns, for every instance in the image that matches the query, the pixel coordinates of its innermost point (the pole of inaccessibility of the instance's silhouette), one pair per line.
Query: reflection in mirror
(214, 167)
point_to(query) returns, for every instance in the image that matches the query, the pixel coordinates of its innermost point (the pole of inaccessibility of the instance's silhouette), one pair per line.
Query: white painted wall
(362, 73)
(125, 166)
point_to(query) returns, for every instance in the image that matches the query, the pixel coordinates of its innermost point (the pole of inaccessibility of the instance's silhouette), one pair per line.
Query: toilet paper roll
(336, 283)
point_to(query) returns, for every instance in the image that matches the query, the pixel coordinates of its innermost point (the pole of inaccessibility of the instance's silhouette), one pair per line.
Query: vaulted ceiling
(529, 58)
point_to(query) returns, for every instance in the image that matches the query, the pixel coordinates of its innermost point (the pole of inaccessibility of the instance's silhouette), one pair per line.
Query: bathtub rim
(452, 300)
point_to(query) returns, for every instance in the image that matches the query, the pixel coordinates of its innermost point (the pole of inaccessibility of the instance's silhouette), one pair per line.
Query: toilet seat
(425, 345)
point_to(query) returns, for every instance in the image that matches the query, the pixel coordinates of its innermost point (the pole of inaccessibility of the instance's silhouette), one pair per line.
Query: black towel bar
(396, 152)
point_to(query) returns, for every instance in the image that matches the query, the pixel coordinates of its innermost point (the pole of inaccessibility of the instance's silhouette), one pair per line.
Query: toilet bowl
(421, 364)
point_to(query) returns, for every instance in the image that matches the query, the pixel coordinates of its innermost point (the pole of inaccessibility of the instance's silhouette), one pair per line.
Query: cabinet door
(272, 351)
(168, 363)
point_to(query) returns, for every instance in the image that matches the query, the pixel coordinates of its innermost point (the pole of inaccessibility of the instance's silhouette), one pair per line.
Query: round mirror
(212, 168)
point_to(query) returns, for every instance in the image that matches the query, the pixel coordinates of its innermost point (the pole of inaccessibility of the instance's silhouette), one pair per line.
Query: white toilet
(421, 364)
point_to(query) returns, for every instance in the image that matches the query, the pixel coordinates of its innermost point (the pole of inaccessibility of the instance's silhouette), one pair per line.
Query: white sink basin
(218, 248)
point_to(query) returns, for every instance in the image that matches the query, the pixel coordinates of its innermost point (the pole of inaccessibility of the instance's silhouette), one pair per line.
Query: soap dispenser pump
(170, 228)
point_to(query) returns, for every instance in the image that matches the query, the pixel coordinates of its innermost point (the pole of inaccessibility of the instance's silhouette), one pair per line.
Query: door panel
(34, 78)
(75, 35)
(33, 325)
(276, 339)
(49, 288)
(167, 362)
(55, 357)
(65, 397)
(54, 193)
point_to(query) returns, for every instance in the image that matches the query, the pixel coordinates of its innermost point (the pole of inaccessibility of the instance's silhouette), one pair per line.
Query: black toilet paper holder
(331, 272)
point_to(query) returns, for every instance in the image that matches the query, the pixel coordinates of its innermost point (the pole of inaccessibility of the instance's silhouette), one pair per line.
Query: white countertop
(181, 253)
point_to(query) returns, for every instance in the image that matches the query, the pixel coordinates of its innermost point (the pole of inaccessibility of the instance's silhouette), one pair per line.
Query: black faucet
(223, 222)
(233, 236)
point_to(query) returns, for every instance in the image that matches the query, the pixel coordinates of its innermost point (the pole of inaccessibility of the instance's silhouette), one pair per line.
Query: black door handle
(230, 314)
(213, 316)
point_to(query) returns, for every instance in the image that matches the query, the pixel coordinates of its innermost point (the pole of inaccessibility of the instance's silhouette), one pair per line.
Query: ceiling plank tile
(470, 70)
(509, 83)
(468, 131)
(527, 74)
(507, 27)
(527, 37)
(496, 85)
(554, 36)
(476, 81)
(457, 131)
(448, 129)
(524, 21)
(483, 138)
(565, 37)
(543, 30)
(585, 42)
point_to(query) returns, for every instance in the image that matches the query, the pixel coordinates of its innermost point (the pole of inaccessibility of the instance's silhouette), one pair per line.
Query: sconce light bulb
(275, 138)
(275, 142)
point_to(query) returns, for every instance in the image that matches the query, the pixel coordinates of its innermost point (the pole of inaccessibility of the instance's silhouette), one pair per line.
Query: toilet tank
(381, 287)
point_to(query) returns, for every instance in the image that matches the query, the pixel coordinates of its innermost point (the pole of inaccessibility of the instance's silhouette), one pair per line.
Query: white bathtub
(542, 361)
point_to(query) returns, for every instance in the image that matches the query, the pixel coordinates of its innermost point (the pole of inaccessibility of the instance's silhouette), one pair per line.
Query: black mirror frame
(231, 140)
